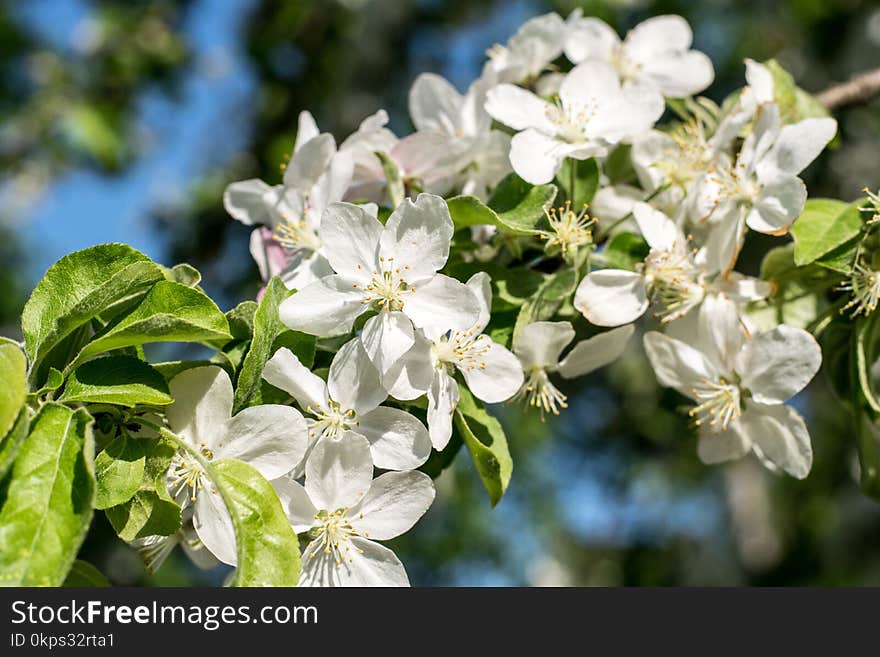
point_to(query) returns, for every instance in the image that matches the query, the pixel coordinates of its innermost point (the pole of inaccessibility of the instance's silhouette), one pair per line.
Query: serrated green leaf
(485, 440)
(824, 225)
(79, 287)
(121, 380)
(83, 574)
(266, 328)
(13, 391)
(119, 469)
(48, 505)
(151, 510)
(267, 546)
(170, 312)
(625, 250)
(584, 175)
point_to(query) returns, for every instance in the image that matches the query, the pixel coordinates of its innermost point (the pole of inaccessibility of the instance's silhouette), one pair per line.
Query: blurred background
(123, 121)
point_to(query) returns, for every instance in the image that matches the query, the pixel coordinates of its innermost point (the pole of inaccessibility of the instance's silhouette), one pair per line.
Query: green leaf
(13, 390)
(584, 175)
(267, 546)
(396, 189)
(303, 346)
(83, 574)
(54, 380)
(172, 368)
(842, 258)
(794, 103)
(515, 207)
(266, 328)
(170, 312)
(48, 505)
(151, 510)
(485, 440)
(10, 444)
(184, 274)
(241, 320)
(625, 250)
(548, 299)
(122, 380)
(79, 287)
(618, 166)
(511, 287)
(824, 225)
(119, 469)
(793, 301)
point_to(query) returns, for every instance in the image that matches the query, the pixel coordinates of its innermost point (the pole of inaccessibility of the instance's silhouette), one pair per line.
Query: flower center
(674, 281)
(864, 285)
(540, 393)
(296, 232)
(387, 289)
(186, 472)
(719, 404)
(464, 349)
(333, 534)
(626, 68)
(332, 421)
(570, 120)
(568, 229)
(739, 187)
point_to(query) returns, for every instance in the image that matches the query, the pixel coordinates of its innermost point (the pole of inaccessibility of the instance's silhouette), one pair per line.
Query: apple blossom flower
(390, 269)
(348, 405)
(656, 52)
(591, 114)
(536, 44)
(539, 346)
(287, 216)
(270, 437)
(740, 383)
(491, 372)
(344, 511)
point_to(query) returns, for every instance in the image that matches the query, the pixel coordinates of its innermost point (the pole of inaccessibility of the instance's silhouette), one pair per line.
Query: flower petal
(725, 445)
(326, 307)
(272, 438)
(351, 239)
(353, 381)
(245, 201)
(284, 371)
(296, 504)
(310, 162)
(339, 472)
(434, 104)
(386, 337)
(677, 364)
(535, 156)
(659, 231)
(780, 436)
(398, 441)
(658, 35)
(797, 145)
(496, 376)
(442, 303)
(518, 109)
(394, 503)
(442, 399)
(595, 352)
(202, 405)
(367, 564)
(679, 74)
(213, 525)
(611, 297)
(306, 129)
(780, 203)
(590, 82)
(417, 237)
(540, 344)
(590, 38)
(778, 364)
(410, 376)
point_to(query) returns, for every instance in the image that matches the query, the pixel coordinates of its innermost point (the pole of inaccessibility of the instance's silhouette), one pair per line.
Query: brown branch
(859, 89)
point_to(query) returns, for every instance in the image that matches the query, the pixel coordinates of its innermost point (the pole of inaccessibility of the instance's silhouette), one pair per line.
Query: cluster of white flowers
(702, 184)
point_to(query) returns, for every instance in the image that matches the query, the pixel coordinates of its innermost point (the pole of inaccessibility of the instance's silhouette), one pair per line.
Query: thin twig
(859, 89)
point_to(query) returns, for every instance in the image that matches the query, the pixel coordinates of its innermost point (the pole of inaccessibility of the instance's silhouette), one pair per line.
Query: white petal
(386, 337)
(245, 201)
(339, 472)
(394, 503)
(444, 303)
(310, 162)
(535, 157)
(306, 130)
(540, 344)
(271, 438)
(367, 564)
(590, 82)
(637, 109)
(659, 231)
(202, 405)
(269, 255)
(434, 104)
(778, 364)
(611, 297)
(442, 399)
(720, 333)
(590, 38)
(398, 441)
(723, 243)
(760, 80)
(353, 381)
(213, 525)
(296, 504)
(305, 268)
(417, 237)
(797, 146)
(658, 34)
(679, 74)
(780, 436)
(481, 285)
(410, 376)
(326, 307)
(780, 203)
(498, 376)
(284, 371)
(351, 239)
(517, 108)
(676, 364)
(595, 352)
(726, 445)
